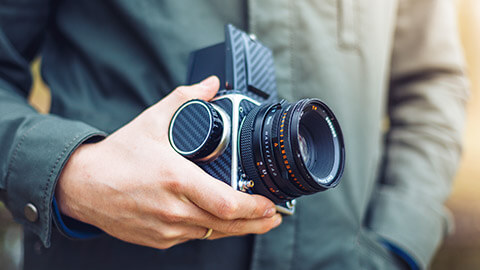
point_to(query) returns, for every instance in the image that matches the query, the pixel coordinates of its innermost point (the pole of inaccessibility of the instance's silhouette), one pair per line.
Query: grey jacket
(391, 70)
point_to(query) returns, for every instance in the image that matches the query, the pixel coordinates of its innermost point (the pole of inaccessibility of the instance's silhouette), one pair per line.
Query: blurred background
(461, 250)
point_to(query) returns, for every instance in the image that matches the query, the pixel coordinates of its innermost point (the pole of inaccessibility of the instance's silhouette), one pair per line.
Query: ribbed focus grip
(196, 129)
(246, 147)
(248, 156)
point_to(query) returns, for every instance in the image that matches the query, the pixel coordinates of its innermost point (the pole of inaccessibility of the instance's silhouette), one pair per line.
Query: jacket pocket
(347, 24)
(373, 255)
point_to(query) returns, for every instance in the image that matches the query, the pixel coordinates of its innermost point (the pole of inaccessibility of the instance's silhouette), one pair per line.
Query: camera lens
(304, 139)
(289, 150)
(318, 143)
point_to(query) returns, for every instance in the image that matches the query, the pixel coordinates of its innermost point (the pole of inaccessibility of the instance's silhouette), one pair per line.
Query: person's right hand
(135, 187)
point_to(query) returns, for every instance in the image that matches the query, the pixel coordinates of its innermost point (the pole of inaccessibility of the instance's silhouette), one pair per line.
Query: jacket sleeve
(33, 147)
(427, 98)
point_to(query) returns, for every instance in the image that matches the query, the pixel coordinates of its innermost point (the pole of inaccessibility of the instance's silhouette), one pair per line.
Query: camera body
(245, 137)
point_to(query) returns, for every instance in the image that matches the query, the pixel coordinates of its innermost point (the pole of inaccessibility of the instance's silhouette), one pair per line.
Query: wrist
(73, 182)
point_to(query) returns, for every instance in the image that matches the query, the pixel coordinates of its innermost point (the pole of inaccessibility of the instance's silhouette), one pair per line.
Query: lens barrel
(289, 150)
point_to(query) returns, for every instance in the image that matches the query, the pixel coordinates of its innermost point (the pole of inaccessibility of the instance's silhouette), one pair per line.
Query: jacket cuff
(37, 160)
(409, 224)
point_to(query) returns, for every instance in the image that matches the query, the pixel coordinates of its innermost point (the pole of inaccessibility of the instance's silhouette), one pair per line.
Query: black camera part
(291, 150)
(246, 138)
(208, 127)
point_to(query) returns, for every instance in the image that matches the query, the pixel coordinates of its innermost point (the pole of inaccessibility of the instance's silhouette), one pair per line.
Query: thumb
(205, 90)
(165, 108)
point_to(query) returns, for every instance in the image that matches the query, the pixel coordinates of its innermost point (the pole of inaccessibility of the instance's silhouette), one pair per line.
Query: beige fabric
(367, 60)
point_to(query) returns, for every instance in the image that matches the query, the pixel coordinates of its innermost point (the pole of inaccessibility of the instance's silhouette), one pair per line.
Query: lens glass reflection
(303, 143)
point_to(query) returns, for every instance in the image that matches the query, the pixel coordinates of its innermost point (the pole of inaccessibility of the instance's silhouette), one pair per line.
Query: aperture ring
(275, 167)
(286, 157)
(264, 154)
(247, 158)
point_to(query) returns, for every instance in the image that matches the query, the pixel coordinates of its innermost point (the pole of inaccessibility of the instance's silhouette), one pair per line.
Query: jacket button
(31, 212)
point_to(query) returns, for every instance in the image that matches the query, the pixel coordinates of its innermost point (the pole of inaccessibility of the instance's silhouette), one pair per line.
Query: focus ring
(248, 158)
(196, 129)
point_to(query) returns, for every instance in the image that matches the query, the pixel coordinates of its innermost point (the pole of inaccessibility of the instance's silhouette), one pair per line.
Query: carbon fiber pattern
(249, 72)
(191, 127)
(260, 70)
(220, 168)
(246, 106)
(237, 43)
(253, 71)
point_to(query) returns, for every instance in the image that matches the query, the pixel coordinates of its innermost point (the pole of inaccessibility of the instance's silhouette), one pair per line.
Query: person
(96, 185)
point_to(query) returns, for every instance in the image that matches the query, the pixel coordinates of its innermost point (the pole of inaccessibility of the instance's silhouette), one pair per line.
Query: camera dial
(199, 131)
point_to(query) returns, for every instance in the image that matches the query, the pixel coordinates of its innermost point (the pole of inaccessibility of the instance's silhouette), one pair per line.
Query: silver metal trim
(222, 145)
(170, 128)
(289, 209)
(237, 184)
(235, 99)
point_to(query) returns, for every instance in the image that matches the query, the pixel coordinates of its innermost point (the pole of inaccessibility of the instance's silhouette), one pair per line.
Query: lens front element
(322, 159)
(304, 140)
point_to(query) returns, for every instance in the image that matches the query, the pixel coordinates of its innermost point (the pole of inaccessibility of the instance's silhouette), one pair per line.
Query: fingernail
(209, 82)
(269, 212)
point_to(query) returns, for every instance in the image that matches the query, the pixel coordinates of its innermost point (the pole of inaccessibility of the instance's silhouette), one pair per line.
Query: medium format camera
(248, 139)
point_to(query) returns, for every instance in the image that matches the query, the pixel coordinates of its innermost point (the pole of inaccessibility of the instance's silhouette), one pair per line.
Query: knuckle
(169, 234)
(228, 209)
(261, 204)
(181, 88)
(182, 92)
(258, 211)
(174, 184)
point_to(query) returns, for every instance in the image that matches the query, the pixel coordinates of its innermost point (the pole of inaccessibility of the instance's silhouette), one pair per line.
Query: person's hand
(135, 187)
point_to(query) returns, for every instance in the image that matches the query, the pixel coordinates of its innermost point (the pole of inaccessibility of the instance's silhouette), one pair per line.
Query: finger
(245, 226)
(220, 199)
(188, 232)
(204, 90)
(171, 236)
(219, 234)
(202, 218)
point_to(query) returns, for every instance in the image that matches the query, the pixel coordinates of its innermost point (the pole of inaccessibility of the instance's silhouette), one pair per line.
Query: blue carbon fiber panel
(252, 66)
(237, 43)
(260, 70)
(191, 127)
(249, 71)
(246, 106)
